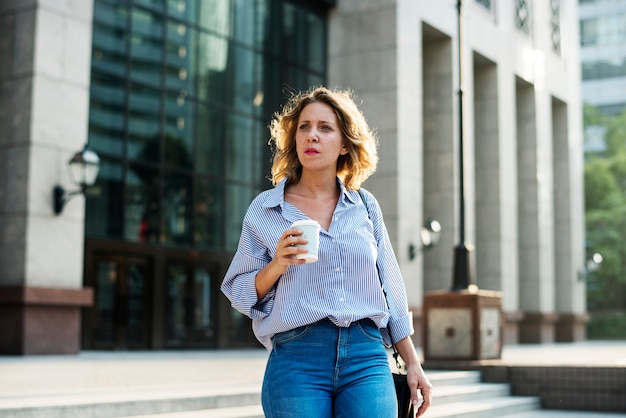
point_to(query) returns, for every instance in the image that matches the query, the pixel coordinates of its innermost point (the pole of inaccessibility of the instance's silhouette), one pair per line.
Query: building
(602, 54)
(175, 97)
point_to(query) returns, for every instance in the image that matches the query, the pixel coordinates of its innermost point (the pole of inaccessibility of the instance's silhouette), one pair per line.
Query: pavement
(98, 375)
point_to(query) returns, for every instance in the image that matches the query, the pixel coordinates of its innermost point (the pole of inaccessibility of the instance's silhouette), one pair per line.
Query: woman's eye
(326, 128)
(303, 126)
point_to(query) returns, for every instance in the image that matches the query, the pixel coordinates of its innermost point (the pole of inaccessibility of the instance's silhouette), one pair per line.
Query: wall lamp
(429, 236)
(593, 264)
(84, 167)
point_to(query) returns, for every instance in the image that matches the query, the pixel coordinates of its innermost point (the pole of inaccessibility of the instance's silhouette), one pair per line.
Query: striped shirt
(343, 285)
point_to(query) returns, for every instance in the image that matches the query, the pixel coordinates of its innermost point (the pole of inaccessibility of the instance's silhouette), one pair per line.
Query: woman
(324, 322)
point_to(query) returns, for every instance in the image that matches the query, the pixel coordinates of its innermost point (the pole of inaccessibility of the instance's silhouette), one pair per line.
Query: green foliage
(601, 189)
(592, 116)
(605, 200)
(607, 325)
(616, 134)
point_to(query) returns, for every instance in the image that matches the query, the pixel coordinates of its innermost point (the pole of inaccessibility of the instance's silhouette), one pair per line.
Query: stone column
(535, 207)
(570, 288)
(45, 55)
(569, 195)
(375, 49)
(440, 133)
(488, 176)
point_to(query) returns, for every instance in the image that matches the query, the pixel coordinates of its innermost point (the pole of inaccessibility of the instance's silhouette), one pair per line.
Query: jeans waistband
(362, 321)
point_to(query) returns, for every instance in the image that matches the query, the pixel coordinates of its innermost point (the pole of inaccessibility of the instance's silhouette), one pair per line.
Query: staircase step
(488, 408)
(131, 403)
(441, 378)
(469, 392)
(484, 408)
(556, 413)
(251, 411)
(457, 394)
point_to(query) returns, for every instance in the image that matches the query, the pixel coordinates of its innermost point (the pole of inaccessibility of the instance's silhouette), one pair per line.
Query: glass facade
(605, 30)
(610, 68)
(182, 92)
(602, 40)
(181, 95)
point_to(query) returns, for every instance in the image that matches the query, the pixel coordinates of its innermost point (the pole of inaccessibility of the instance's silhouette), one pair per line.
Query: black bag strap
(395, 351)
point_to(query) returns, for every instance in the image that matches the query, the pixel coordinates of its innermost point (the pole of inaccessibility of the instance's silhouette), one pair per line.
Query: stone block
(41, 320)
(23, 54)
(55, 250)
(60, 114)
(15, 165)
(15, 111)
(12, 249)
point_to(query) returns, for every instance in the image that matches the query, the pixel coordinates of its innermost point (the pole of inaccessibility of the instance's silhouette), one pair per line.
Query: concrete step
(468, 392)
(454, 385)
(460, 394)
(484, 408)
(550, 413)
(441, 378)
(109, 404)
(252, 411)
(457, 394)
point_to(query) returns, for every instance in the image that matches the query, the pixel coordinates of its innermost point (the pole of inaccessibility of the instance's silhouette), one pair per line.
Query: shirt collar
(276, 196)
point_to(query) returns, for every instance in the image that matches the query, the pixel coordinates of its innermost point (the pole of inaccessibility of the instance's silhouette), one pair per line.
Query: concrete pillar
(535, 207)
(570, 289)
(508, 214)
(528, 202)
(44, 106)
(440, 167)
(488, 176)
(373, 50)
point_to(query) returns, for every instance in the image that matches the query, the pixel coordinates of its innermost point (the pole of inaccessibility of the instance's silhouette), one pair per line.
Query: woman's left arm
(400, 320)
(416, 378)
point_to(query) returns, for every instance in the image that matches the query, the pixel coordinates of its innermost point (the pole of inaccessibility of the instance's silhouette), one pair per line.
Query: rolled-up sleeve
(239, 282)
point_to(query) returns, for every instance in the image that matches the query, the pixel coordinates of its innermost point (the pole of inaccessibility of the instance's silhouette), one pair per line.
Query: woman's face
(319, 141)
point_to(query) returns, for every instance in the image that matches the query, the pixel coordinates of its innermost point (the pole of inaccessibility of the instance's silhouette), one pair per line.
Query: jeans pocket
(291, 335)
(369, 330)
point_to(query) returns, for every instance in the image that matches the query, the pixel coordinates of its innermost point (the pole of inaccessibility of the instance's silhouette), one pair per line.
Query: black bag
(403, 393)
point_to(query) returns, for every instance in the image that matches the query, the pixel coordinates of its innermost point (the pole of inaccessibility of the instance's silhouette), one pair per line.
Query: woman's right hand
(286, 252)
(286, 249)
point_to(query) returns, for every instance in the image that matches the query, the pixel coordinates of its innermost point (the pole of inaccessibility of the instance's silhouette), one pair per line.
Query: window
(485, 3)
(603, 30)
(181, 95)
(604, 69)
(522, 16)
(555, 25)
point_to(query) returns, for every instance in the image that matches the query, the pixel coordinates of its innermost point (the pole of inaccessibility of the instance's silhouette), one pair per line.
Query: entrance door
(121, 303)
(190, 305)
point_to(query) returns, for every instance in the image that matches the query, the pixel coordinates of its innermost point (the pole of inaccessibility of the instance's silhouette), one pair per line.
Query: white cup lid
(305, 222)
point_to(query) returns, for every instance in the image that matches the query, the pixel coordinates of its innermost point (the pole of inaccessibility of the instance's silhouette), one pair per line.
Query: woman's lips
(310, 151)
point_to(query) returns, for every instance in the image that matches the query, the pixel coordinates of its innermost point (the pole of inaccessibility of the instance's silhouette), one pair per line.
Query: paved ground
(97, 375)
(597, 353)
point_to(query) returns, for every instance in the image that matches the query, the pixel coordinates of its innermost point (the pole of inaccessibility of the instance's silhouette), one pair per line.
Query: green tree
(605, 199)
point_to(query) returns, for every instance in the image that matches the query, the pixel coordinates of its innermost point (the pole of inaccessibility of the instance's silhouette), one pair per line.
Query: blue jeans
(324, 371)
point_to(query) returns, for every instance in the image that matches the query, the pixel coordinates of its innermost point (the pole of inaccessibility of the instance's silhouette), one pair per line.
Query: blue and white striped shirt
(342, 285)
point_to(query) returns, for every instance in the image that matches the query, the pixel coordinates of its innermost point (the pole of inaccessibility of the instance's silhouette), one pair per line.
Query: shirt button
(341, 299)
(346, 322)
(337, 269)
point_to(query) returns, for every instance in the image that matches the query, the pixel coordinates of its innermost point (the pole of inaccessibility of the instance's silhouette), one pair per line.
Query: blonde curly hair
(354, 167)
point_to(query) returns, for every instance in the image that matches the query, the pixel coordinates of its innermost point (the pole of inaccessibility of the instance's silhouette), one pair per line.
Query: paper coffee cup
(311, 231)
